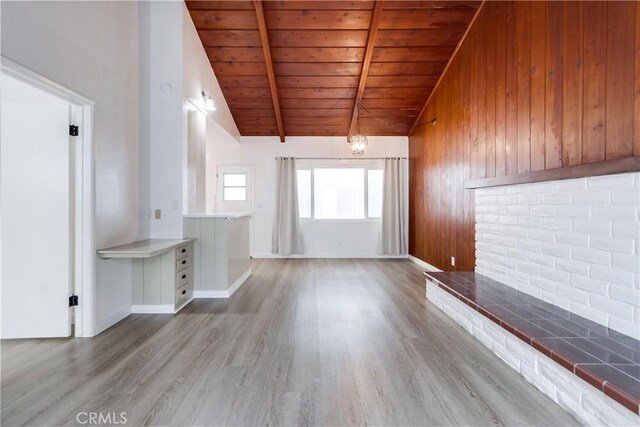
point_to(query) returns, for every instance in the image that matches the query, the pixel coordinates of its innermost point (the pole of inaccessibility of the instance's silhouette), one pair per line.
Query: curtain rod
(341, 158)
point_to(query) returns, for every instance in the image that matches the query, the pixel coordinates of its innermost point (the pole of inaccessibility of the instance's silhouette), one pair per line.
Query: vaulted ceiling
(329, 67)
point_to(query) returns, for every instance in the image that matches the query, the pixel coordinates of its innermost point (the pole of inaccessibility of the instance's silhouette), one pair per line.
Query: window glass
(304, 193)
(235, 180)
(338, 193)
(235, 194)
(374, 195)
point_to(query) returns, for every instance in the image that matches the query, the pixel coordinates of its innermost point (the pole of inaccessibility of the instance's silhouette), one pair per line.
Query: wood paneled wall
(534, 86)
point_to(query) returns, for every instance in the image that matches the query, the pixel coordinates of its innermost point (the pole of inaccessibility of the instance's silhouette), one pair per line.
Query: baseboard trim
(239, 282)
(153, 309)
(328, 256)
(423, 264)
(111, 320)
(225, 293)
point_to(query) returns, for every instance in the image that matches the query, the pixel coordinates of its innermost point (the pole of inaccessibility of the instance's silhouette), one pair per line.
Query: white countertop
(220, 215)
(142, 249)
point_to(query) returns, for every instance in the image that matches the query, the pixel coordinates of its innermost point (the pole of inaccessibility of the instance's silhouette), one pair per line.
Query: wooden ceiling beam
(266, 50)
(371, 41)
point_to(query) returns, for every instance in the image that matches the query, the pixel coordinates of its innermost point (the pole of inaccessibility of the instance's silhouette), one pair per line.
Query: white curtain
(286, 229)
(392, 239)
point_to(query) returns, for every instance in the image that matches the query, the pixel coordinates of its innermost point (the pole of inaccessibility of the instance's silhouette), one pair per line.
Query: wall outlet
(453, 261)
(157, 214)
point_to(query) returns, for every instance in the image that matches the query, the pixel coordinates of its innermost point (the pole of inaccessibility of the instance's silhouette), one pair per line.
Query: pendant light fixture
(358, 142)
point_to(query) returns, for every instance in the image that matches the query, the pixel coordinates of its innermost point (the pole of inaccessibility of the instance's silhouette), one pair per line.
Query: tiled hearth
(604, 358)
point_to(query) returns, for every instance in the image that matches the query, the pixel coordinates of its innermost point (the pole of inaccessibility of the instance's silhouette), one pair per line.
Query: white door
(35, 221)
(234, 192)
(234, 189)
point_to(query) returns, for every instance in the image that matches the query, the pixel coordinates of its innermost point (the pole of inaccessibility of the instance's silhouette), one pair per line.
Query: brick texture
(574, 243)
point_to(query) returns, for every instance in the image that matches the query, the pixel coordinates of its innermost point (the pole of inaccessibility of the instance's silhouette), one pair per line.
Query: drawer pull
(184, 292)
(184, 276)
(183, 250)
(184, 261)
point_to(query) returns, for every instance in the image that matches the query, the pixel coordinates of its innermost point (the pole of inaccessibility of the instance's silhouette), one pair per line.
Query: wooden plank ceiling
(322, 56)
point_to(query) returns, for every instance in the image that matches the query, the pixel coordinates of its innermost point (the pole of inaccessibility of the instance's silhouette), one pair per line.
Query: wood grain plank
(407, 68)
(418, 38)
(636, 113)
(317, 112)
(255, 103)
(316, 103)
(572, 83)
(232, 38)
(318, 38)
(317, 69)
(386, 103)
(244, 93)
(481, 161)
(490, 115)
(341, 122)
(620, 75)
(245, 121)
(523, 41)
(239, 69)
(511, 91)
(235, 54)
(397, 92)
(243, 81)
(553, 86)
(266, 49)
(406, 54)
(449, 19)
(442, 4)
(317, 54)
(319, 5)
(318, 19)
(258, 112)
(595, 82)
(317, 81)
(391, 112)
(287, 92)
(224, 19)
(501, 82)
(316, 130)
(538, 79)
(401, 81)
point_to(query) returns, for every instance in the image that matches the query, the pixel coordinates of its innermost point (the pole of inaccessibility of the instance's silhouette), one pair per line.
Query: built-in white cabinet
(163, 273)
(221, 252)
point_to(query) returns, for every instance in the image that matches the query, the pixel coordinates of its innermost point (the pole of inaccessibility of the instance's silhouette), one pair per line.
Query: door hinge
(73, 130)
(73, 300)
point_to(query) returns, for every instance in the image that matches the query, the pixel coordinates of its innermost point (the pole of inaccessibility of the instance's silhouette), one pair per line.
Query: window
(339, 193)
(234, 187)
(374, 199)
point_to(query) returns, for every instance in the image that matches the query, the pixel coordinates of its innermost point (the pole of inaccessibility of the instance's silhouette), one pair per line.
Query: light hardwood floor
(303, 342)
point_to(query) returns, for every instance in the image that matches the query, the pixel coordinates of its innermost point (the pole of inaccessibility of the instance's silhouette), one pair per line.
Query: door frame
(83, 173)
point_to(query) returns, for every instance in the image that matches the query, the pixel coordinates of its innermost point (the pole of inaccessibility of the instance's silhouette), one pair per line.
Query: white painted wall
(574, 243)
(92, 48)
(321, 239)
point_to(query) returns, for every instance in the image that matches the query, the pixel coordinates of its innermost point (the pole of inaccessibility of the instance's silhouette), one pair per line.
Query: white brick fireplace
(574, 243)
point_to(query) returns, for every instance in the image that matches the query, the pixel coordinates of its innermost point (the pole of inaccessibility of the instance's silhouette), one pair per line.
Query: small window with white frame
(234, 187)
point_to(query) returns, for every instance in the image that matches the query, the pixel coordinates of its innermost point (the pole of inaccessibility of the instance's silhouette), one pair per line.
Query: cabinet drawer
(183, 277)
(183, 251)
(183, 264)
(184, 294)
